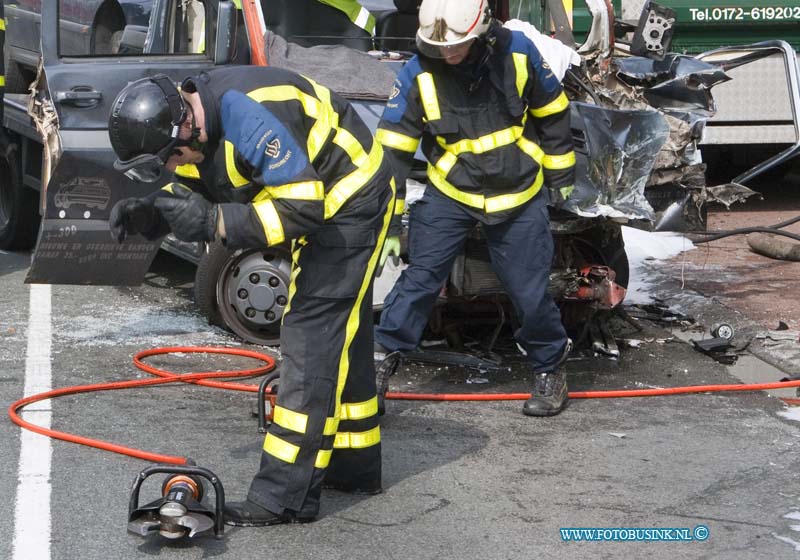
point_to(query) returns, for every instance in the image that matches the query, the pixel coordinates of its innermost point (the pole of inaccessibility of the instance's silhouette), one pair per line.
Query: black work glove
(559, 196)
(190, 216)
(130, 216)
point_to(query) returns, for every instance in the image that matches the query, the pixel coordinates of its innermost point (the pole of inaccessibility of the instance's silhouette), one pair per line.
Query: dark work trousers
(521, 250)
(326, 414)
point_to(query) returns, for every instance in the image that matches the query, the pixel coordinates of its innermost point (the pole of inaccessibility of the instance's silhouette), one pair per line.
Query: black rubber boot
(250, 514)
(383, 371)
(550, 394)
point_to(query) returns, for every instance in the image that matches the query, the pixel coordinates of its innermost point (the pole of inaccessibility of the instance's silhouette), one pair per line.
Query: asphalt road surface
(462, 480)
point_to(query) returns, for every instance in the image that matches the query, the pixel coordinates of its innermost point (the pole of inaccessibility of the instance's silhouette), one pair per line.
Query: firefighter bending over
(493, 123)
(276, 157)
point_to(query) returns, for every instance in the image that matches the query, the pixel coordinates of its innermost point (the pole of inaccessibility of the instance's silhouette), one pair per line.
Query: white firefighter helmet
(447, 27)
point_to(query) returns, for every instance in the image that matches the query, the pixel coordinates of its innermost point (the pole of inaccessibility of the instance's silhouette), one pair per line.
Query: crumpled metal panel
(677, 83)
(615, 161)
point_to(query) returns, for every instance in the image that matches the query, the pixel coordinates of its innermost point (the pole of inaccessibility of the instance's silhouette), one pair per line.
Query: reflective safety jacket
(491, 142)
(358, 14)
(294, 155)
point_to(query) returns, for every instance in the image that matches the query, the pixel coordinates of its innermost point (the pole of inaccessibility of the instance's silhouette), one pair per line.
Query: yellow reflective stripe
(359, 411)
(521, 66)
(446, 163)
(317, 109)
(559, 104)
(306, 190)
(357, 440)
(532, 149)
(564, 161)
(396, 140)
(328, 120)
(491, 204)
(331, 426)
(353, 182)
(2, 81)
(291, 420)
(485, 143)
(323, 458)
(188, 170)
(438, 180)
(2, 24)
(427, 92)
(399, 206)
(270, 221)
(236, 179)
(281, 449)
(170, 187)
(508, 201)
(346, 141)
(353, 320)
(297, 246)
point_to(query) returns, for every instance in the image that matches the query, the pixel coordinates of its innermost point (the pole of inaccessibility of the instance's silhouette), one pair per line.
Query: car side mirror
(226, 33)
(133, 39)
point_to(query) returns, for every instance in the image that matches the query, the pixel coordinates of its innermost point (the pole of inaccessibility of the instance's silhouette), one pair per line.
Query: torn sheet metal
(727, 194)
(677, 83)
(616, 160)
(600, 39)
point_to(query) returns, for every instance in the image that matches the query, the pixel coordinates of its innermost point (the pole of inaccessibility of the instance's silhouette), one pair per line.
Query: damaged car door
(72, 106)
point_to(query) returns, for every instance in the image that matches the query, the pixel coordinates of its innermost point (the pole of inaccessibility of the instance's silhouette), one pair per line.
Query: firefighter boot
(250, 514)
(550, 394)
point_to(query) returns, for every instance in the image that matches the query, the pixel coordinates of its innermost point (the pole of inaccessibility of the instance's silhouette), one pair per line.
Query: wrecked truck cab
(74, 244)
(70, 110)
(620, 140)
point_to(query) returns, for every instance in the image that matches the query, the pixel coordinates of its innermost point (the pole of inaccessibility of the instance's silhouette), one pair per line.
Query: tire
(205, 282)
(19, 205)
(245, 292)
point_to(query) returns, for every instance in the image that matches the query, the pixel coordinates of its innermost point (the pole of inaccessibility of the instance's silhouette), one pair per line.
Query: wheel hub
(257, 291)
(261, 298)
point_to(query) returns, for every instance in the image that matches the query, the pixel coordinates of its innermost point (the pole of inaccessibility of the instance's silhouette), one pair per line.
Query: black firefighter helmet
(144, 125)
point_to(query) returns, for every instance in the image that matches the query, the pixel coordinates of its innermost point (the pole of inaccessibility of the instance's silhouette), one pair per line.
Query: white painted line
(32, 509)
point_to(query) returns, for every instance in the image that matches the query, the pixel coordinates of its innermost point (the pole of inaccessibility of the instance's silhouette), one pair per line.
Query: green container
(702, 26)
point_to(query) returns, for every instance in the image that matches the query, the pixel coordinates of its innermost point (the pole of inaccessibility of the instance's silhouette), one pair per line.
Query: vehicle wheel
(244, 291)
(19, 210)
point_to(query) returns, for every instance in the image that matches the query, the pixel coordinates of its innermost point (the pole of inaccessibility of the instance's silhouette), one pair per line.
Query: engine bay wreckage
(638, 115)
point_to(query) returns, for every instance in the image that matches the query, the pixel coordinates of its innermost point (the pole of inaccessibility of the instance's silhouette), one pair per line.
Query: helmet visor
(452, 52)
(146, 168)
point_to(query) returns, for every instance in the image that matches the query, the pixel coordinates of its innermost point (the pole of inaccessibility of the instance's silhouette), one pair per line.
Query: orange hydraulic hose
(164, 378)
(205, 378)
(599, 394)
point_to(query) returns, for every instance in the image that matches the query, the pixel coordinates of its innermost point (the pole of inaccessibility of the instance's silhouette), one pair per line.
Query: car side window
(92, 28)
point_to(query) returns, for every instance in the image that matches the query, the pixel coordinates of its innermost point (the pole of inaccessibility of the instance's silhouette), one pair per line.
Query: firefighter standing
(276, 157)
(493, 123)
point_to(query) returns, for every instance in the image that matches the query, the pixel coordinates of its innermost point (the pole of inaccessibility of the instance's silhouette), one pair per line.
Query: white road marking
(32, 509)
